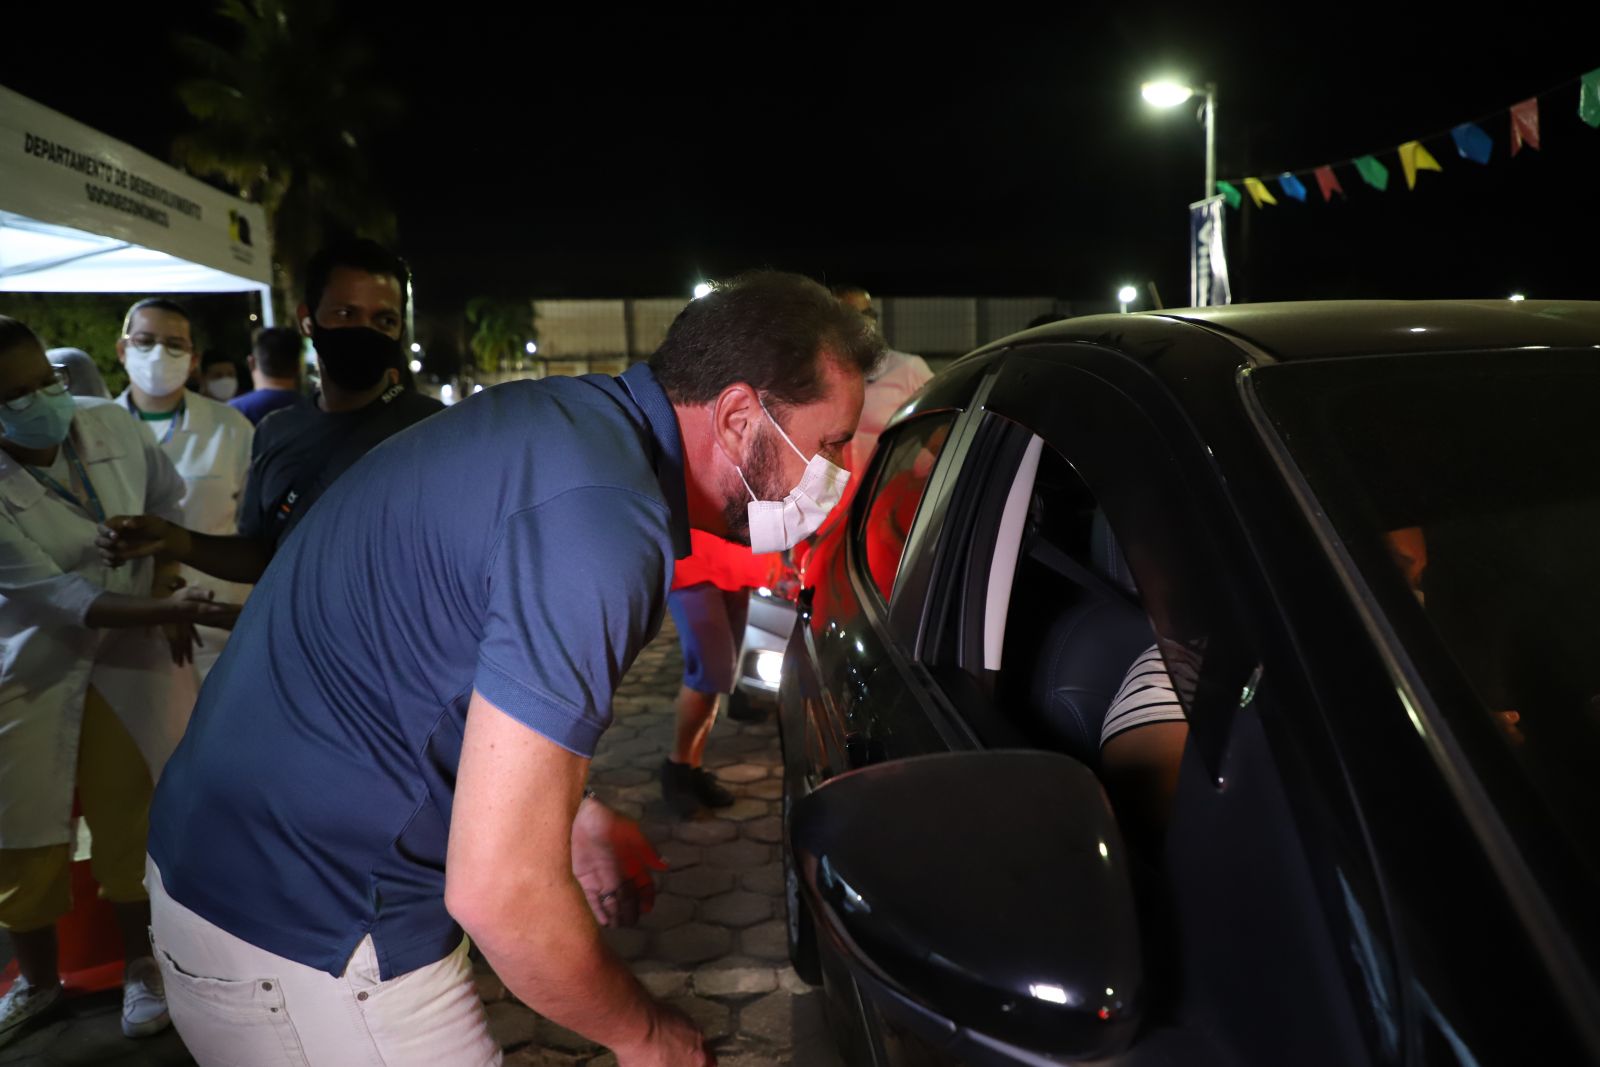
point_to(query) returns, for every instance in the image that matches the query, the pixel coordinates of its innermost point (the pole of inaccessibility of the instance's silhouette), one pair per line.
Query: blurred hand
(198, 605)
(674, 1041)
(182, 639)
(126, 537)
(612, 861)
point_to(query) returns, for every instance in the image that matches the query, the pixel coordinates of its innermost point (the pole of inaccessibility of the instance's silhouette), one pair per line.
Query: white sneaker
(23, 1002)
(144, 1000)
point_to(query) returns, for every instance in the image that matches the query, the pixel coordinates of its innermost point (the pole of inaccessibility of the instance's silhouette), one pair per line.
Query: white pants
(236, 1005)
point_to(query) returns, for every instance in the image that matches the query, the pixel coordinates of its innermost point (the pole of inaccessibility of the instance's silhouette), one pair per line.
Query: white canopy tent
(83, 213)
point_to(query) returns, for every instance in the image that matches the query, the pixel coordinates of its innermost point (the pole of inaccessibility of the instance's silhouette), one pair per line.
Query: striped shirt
(1146, 697)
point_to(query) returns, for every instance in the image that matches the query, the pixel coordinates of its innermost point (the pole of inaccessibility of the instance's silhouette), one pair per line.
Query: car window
(1464, 488)
(908, 459)
(1073, 624)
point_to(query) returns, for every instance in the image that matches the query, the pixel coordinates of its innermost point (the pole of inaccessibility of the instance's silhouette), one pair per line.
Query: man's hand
(126, 537)
(674, 1041)
(612, 861)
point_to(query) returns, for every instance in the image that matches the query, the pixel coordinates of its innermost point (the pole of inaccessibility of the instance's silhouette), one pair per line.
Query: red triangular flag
(1525, 124)
(1328, 182)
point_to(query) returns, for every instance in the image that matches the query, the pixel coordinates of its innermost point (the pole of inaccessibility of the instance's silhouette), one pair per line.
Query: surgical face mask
(222, 388)
(43, 423)
(355, 357)
(776, 525)
(155, 370)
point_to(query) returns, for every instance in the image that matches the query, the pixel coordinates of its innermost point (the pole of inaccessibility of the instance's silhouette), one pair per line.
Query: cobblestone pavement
(714, 945)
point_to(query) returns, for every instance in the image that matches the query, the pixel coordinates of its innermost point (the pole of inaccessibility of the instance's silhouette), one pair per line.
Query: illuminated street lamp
(1168, 93)
(1125, 296)
(530, 348)
(702, 290)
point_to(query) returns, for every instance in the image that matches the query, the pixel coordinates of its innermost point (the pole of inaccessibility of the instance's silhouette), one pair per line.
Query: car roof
(1331, 328)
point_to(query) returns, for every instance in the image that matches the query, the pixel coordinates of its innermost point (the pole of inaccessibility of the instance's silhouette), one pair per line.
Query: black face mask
(355, 358)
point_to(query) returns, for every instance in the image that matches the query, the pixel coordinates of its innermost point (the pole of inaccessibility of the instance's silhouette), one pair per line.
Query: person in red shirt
(709, 601)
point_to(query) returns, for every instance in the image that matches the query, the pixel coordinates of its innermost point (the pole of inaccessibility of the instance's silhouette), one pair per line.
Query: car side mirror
(980, 898)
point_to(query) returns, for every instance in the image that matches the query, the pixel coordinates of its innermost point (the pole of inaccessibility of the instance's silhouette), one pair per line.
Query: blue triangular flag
(1292, 188)
(1472, 142)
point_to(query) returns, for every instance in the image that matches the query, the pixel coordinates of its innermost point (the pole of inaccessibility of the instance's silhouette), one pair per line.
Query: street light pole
(1211, 139)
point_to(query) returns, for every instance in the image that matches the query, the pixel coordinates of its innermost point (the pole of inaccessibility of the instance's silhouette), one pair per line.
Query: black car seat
(1085, 650)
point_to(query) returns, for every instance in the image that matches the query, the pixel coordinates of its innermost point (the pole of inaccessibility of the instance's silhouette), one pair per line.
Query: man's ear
(250, 361)
(303, 315)
(735, 415)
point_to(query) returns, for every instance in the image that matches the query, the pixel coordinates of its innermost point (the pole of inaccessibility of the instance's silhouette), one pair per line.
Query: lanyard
(183, 405)
(93, 507)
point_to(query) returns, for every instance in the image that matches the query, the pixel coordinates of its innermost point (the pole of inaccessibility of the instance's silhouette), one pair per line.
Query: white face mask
(157, 372)
(776, 525)
(222, 388)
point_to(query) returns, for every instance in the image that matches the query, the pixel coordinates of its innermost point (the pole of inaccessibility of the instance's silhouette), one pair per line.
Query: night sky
(983, 150)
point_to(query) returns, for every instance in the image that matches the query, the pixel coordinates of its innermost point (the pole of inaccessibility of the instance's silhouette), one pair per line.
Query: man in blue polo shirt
(393, 746)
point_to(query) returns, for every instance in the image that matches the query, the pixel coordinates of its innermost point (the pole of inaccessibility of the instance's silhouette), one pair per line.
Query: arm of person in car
(509, 882)
(1140, 771)
(232, 559)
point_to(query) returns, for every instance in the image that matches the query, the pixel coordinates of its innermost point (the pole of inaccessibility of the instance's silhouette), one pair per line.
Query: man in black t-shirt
(354, 313)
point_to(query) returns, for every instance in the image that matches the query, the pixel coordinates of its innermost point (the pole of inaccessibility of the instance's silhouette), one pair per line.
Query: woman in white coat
(77, 646)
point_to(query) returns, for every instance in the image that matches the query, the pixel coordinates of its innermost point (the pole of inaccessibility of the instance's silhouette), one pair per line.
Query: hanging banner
(1525, 125)
(1472, 142)
(1589, 98)
(1208, 260)
(1292, 187)
(1328, 182)
(1259, 193)
(1413, 157)
(1372, 172)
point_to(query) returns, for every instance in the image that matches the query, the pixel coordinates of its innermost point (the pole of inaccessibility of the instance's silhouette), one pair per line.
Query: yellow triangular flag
(1413, 157)
(1259, 193)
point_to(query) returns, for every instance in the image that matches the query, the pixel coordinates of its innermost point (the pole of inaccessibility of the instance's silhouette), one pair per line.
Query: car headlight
(769, 667)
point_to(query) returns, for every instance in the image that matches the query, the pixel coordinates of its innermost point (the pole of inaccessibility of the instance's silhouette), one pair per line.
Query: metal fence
(604, 336)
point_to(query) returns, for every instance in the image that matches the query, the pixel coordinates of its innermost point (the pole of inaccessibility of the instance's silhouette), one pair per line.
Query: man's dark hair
(277, 350)
(355, 253)
(212, 356)
(842, 291)
(14, 333)
(155, 303)
(767, 328)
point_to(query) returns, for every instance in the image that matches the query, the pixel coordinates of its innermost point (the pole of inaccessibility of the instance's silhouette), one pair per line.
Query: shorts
(710, 625)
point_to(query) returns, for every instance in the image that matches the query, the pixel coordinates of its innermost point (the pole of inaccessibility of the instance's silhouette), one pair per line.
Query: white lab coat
(210, 447)
(50, 573)
(898, 377)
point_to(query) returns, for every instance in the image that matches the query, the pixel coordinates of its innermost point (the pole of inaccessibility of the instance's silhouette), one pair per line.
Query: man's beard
(762, 472)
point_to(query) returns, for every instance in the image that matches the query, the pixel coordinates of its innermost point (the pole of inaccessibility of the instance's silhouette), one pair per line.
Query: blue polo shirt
(520, 543)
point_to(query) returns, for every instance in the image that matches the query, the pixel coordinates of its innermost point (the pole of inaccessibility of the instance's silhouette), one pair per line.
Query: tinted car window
(1466, 488)
(902, 477)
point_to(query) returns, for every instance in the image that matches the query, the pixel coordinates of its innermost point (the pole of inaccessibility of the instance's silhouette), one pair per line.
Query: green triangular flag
(1231, 194)
(1375, 173)
(1589, 98)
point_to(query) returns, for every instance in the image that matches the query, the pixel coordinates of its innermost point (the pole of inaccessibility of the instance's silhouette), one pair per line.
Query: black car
(1381, 843)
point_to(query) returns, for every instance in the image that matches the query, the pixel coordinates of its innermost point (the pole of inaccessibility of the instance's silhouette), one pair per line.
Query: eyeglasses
(144, 342)
(54, 388)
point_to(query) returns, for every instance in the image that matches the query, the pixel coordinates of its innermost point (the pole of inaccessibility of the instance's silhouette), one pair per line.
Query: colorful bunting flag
(1328, 182)
(1375, 173)
(1472, 142)
(1259, 194)
(1413, 157)
(1525, 125)
(1589, 99)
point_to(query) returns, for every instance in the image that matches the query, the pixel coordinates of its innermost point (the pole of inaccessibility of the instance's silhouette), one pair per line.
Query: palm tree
(282, 114)
(500, 329)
